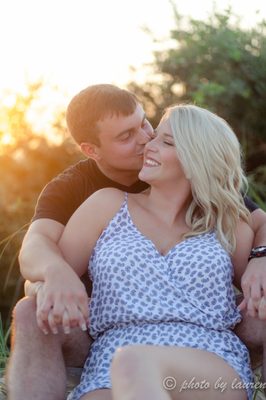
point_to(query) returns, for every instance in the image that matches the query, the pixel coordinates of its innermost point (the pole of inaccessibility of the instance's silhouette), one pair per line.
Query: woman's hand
(62, 300)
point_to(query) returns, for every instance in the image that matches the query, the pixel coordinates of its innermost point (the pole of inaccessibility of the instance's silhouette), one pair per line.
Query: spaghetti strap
(185, 298)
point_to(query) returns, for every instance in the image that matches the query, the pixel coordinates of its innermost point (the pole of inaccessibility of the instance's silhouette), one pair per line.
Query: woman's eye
(168, 143)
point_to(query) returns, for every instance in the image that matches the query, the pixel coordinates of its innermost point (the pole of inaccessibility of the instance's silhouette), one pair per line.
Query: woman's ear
(90, 150)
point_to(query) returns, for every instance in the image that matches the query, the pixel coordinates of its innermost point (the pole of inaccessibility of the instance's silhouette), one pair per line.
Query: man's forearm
(39, 255)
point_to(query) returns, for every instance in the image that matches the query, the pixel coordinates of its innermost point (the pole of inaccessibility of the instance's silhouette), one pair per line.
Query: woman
(162, 264)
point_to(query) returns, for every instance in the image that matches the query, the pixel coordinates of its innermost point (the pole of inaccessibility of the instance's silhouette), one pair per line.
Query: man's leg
(36, 370)
(252, 332)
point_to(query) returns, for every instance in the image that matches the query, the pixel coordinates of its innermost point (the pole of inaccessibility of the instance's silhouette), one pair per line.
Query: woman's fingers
(262, 309)
(66, 322)
(252, 308)
(60, 310)
(52, 323)
(242, 306)
(83, 323)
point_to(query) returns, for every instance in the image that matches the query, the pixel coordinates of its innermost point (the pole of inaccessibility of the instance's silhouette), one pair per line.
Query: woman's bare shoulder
(103, 204)
(107, 196)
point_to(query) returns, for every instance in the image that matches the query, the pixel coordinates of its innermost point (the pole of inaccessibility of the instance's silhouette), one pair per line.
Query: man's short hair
(93, 104)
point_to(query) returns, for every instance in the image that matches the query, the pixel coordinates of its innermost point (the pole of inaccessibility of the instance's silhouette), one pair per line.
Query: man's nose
(145, 135)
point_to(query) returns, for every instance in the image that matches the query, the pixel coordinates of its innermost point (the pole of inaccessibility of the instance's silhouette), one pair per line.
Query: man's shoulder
(83, 168)
(64, 193)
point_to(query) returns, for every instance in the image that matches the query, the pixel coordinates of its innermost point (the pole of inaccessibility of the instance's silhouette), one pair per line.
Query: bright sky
(74, 43)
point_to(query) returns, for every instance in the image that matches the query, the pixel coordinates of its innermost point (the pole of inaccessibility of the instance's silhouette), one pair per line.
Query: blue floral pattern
(184, 298)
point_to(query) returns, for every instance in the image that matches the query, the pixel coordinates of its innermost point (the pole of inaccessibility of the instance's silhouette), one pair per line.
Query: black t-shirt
(65, 193)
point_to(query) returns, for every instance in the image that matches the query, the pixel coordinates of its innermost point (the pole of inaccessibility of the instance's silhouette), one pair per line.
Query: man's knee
(251, 331)
(24, 313)
(75, 347)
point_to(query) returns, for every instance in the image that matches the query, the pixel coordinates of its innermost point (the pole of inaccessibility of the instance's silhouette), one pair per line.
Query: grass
(4, 348)
(258, 393)
(257, 186)
(4, 355)
(11, 280)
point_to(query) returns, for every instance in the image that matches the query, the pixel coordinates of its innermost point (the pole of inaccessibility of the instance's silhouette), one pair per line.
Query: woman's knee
(126, 361)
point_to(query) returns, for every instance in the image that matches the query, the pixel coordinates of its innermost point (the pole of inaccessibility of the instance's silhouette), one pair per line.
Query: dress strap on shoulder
(125, 202)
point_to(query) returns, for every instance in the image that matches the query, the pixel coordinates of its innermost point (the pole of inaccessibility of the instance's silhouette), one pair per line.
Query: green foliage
(27, 164)
(4, 348)
(257, 186)
(218, 65)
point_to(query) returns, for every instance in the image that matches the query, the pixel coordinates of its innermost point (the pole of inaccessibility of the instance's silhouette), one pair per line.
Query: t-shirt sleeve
(61, 197)
(251, 206)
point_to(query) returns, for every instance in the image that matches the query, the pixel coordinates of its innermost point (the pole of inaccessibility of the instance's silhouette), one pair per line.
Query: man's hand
(253, 284)
(62, 301)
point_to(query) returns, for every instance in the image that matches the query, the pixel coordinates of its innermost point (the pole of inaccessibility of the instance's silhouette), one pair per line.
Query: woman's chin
(143, 177)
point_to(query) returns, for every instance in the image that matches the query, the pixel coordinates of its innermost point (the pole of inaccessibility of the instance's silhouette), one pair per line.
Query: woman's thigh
(100, 394)
(184, 373)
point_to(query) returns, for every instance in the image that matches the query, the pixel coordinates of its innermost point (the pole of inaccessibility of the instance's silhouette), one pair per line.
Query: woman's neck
(170, 203)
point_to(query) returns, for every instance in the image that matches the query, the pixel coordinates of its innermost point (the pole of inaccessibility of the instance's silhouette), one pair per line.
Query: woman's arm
(62, 291)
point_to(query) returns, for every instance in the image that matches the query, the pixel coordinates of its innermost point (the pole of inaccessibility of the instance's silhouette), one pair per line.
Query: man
(111, 128)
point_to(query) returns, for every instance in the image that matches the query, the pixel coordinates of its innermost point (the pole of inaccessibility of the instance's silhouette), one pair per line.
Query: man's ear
(90, 150)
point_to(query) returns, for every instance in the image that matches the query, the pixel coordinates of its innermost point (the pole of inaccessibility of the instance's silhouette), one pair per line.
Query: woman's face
(160, 158)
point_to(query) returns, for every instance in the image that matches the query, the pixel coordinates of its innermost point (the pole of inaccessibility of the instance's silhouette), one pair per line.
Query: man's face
(122, 140)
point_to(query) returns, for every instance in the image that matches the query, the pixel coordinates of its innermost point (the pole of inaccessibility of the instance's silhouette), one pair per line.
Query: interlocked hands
(253, 284)
(62, 302)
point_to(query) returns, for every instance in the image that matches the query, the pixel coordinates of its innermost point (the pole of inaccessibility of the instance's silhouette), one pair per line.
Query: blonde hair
(211, 158)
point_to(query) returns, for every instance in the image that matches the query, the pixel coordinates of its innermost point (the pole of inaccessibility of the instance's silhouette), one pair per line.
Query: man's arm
(41, 260)
(258, 219)
(253, 281)
(39, 249)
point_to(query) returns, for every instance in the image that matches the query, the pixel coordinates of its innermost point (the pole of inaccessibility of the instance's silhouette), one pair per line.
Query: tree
(218, 65)
(27, 163)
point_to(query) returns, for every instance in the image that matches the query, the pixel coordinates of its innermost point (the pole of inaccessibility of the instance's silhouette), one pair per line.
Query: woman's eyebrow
(168, 135)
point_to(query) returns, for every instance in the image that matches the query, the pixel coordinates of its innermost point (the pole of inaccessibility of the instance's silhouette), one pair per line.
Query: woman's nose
(151, 145)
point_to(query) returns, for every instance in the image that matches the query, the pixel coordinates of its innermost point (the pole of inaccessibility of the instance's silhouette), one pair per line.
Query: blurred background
(211, 54)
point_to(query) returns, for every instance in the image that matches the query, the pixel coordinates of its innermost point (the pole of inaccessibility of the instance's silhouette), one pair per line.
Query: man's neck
(125, 178)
